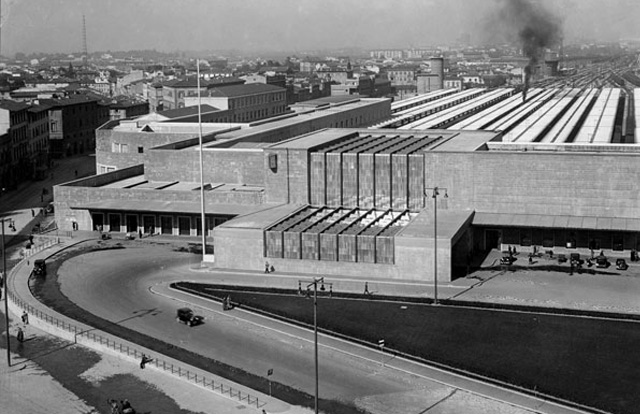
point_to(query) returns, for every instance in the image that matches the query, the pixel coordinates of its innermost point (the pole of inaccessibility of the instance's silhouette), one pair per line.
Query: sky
(50, 26)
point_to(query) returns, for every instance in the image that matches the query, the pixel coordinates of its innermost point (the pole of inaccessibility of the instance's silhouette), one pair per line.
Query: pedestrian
(272, 269)
(25, 318)
(144, 361)
(115, 409)
(266, 267)
(20, 335)
(366, 288)
(140, 233)
(530, 259)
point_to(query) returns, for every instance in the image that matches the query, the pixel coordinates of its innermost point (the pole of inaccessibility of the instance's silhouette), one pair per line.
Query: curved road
(118, 286)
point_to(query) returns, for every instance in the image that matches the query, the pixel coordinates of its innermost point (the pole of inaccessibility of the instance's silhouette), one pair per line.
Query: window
(125, 147)
(140, 150)
(115, 147)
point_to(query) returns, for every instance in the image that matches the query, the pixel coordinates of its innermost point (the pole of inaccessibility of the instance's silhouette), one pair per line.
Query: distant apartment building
(175, 91)
(38, 126)
(453, 83)
(127, 108)
(153, 95)
(387, 54)
(246, 103)
(72, 124)
(402, 75)
(14, 143)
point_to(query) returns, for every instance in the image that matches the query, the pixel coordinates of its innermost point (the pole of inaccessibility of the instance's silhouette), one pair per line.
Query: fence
(125, 349)
(24, 253)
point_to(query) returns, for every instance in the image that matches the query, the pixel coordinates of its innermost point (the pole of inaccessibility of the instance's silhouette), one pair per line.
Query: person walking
(25, 318)
(266, 267)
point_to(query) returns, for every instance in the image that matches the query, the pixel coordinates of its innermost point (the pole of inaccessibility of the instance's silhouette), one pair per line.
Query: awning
(556, 222)
(185, 207)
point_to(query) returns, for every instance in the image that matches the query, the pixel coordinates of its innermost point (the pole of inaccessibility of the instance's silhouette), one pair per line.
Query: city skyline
(289, 25)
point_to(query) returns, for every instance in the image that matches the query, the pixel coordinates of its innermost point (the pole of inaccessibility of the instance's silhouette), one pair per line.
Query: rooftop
(13, 105)
(234, 91)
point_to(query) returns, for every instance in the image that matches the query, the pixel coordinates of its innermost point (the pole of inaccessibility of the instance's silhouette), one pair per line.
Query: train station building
(324, 195)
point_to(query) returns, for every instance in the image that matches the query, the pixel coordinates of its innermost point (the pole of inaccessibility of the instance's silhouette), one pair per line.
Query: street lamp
(435, 193)
(315, 323)
(6, 292)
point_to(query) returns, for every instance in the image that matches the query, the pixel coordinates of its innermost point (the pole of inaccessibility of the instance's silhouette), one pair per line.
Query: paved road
(118, 286)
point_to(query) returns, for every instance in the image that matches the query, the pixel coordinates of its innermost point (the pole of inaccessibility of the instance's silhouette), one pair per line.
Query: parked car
(507, 259)
(188, 317)
(576, 260)
(602, 261)
(621, 264)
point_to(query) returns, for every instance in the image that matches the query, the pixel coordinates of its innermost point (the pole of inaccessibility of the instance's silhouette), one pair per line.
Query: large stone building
(317, 193)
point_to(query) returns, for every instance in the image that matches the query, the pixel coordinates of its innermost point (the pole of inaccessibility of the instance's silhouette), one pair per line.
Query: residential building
(245, 103)
(15, 154)
(127, 108)
(175, 91)
(72, 124)
(38, 124)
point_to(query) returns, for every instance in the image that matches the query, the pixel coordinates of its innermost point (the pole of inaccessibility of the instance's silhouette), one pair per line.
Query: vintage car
(602, 261)
(507, 259)
(188, 317)
(621, 264)
(40, 267)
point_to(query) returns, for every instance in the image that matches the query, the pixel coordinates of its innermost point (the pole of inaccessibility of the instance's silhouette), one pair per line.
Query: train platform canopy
(558, 222)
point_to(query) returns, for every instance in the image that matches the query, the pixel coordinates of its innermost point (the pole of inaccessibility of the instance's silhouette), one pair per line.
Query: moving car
(188, 317)
(40, 267)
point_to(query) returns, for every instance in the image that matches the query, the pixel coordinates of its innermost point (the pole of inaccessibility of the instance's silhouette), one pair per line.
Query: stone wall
(576, 184)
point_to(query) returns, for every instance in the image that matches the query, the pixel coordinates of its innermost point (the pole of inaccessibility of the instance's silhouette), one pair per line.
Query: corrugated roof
(13, 105)
(189, 110)
(232, 91)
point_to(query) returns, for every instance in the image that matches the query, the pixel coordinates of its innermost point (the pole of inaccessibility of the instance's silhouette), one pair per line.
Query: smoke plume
(536, 28)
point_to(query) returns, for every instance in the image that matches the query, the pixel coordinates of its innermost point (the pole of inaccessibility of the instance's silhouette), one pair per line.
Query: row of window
(256, 100)
(124, 148)
(175, 225)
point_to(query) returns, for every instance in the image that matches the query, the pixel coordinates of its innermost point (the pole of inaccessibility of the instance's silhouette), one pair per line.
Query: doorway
(492, 239)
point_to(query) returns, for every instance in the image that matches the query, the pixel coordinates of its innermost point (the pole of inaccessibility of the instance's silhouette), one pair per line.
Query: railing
(133, 352)
(24, 253)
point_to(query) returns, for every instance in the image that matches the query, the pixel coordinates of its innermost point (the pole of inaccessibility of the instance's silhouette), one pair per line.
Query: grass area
(592, 362)
(47, 290)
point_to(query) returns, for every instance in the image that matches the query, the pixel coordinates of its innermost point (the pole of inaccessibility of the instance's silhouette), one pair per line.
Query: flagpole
(202, 218)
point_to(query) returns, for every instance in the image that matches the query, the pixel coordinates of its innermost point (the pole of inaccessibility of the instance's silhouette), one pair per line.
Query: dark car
(602, 261)
(576, 260)
(621, 264)
(186, 316)
(507, 259)
(40, 267)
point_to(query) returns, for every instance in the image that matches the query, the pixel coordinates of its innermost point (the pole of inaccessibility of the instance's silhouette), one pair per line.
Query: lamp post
(314, 283)
(6, 293)
(435, 193)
